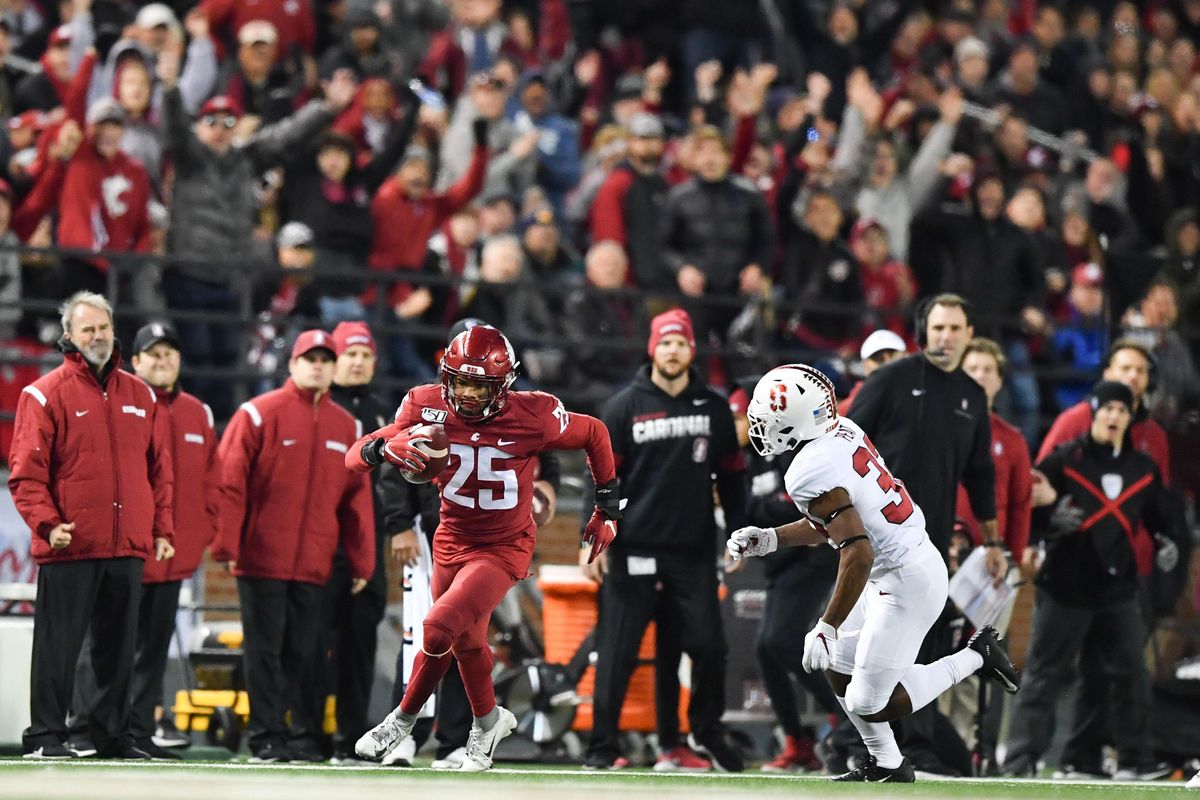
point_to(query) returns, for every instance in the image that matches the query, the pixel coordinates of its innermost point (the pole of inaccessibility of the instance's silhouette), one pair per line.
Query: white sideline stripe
(255, 417)
(812, 778)
(36, 393)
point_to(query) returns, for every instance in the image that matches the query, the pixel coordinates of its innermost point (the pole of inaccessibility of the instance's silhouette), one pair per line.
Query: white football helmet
(791, 404)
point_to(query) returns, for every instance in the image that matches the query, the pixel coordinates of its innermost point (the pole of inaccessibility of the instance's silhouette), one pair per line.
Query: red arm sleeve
(608, 209)
(162, 475)
(405, 419)
(41, 200)
(237, 453)
(1020, 500)
(743, 142)
(356, 517)
(1064, 429)
(1159, 449)
(212, 482)
(567, 431)
(466, 187)
(75, 100)
(29, 460)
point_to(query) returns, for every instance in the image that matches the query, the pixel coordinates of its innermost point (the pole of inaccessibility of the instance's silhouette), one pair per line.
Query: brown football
(541, 507)
(438, 451)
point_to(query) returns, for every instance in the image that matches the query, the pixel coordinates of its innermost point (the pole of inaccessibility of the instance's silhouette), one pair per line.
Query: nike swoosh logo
(81, 413)
(502, 443)
(288, 442)
(700, 402)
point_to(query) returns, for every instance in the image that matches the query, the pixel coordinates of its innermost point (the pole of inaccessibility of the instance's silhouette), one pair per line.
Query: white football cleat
(453, 760)
(383, 738)
(481, 744)
(402, 754)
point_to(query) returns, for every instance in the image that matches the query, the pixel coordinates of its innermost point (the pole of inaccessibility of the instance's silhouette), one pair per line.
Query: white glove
(818, 647)
(1166, 557)
(752, 541)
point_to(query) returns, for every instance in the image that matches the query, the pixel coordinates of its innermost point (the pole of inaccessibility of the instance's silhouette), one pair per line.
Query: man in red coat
(287, 500)
(104, 199)
(985, 362)
(92, 478)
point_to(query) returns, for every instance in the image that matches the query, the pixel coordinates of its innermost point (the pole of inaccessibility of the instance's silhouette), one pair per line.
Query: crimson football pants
(464, 597)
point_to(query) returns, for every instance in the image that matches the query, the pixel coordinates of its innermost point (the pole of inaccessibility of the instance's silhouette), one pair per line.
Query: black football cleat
(870, 772)
(996, 664)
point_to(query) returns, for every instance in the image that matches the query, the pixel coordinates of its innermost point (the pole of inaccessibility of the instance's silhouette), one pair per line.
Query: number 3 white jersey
(845, 458)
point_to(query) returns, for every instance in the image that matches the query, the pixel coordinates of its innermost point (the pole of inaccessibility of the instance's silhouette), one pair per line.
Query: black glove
(608, 499)
(479, 128)
(372, 452)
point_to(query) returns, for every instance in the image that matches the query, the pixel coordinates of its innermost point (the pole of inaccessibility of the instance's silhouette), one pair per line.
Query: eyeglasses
(226, 120)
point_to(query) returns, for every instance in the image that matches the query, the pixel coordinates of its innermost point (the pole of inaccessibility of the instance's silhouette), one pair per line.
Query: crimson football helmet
(481, 354)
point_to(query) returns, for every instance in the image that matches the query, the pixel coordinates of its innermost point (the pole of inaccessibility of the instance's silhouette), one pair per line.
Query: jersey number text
(867, 456)
(481, 461)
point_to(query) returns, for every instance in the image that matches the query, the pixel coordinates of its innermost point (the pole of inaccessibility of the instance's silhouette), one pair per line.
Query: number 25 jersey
(846, 458)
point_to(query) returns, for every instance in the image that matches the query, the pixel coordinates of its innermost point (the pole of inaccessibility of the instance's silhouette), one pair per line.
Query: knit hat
(674, 321)
(1107, 391)
(348, 334)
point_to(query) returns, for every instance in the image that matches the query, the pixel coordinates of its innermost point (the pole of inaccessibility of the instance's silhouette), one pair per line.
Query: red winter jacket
(97, 457)
(103, 204)
(1147, 437)
(193, 446)
(1014, 485)
(286, 495)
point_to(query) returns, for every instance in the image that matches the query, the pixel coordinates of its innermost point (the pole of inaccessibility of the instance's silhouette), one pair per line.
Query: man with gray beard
(92, 478)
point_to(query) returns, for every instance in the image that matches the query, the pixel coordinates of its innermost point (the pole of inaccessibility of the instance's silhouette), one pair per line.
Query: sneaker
(681, 759)
(49, 751)
(270, 754)
(383, 738)
(402, 755)
(167, 735)
(602, 761)
(797, 754)
(1194, 783)
(129, 752)
(453, 759)
(718, 751)
(1146, 772)
(996, 664)
(481, 744)
(1084, 772)
(147, 745)
(304, 750)
(82, 747)
(870, 772)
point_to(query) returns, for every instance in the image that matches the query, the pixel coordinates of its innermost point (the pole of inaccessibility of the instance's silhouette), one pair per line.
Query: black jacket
(933, 430)
(1095, 565)
(667, 450)
(386, 484)
(718, 228)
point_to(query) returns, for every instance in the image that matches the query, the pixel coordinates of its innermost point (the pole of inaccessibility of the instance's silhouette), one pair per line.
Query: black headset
(1147, 353)
(921, 315)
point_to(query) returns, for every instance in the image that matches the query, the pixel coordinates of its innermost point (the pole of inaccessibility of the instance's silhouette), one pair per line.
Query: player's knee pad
(862, 699)
(442, 627)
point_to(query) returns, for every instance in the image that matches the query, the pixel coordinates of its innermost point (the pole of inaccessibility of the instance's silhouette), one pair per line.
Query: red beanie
(674, 321)
(348, 334)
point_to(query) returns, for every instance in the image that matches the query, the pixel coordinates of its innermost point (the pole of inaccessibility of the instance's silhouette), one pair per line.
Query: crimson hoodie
(103, 204)
(92, 451)
(286, 495)
(193, 446)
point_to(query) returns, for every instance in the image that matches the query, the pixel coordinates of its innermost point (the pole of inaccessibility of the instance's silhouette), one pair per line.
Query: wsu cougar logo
(113, 187)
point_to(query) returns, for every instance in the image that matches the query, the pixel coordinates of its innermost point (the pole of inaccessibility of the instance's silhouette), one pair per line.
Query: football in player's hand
(437, 448)
(542, 510)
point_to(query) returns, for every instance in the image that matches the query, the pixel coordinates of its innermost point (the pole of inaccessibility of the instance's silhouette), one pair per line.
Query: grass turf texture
(234, 780)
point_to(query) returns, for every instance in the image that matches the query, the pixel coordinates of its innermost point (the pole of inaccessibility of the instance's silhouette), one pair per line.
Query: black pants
(102, 594)
(794, 599)
(156, 622)
(281, 625)
(452, 721)
(351, 624)
(1059, 633)
(627, 604)
(1091, 729)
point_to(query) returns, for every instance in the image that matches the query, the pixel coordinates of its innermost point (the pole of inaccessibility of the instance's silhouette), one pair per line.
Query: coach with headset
(930, 422)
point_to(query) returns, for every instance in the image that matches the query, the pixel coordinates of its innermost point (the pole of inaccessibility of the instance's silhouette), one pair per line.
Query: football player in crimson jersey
(484, 540)
(891, 584)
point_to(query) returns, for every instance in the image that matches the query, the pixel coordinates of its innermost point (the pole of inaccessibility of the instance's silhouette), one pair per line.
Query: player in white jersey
(891, 582)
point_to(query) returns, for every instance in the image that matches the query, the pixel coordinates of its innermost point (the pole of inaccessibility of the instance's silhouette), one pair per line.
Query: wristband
(997, 545)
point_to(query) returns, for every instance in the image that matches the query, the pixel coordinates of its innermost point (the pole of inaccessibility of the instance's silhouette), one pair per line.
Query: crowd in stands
(796, 174)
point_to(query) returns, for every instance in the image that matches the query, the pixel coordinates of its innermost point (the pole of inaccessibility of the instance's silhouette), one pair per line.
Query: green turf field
(95, 780)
